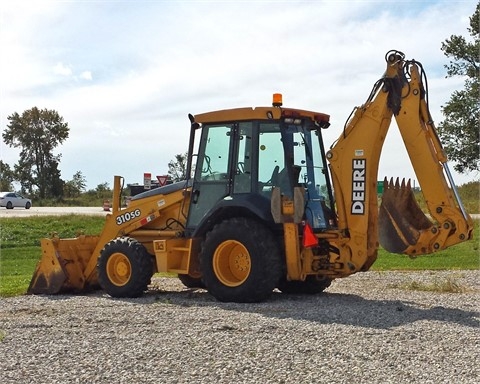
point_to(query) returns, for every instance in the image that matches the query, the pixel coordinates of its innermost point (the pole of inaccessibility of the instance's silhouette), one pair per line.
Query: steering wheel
(208, 168)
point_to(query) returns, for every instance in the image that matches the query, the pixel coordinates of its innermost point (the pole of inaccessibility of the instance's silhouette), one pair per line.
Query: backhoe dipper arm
(400, 225)
(452, 222)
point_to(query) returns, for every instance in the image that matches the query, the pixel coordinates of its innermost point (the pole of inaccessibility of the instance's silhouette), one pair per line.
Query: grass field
(20, 249)
(20, 245)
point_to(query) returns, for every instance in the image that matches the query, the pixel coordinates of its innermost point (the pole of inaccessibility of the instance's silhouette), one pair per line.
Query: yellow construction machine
(265, 206)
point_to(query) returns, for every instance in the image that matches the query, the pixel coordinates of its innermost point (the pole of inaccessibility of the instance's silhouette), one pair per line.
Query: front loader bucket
(400, 220)
(62, 266)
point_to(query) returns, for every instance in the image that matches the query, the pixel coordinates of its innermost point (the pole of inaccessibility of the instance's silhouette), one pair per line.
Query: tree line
(38, 132)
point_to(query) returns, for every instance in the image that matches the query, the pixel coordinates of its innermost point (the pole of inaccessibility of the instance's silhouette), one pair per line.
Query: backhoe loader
(266, 206)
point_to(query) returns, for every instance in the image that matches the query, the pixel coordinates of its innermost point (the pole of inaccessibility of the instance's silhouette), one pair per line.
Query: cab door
(212, 174)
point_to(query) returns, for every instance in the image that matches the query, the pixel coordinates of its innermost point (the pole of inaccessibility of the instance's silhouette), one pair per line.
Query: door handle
(195, 195)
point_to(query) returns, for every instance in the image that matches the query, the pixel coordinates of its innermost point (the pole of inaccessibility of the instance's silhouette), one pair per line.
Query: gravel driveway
(367, 328)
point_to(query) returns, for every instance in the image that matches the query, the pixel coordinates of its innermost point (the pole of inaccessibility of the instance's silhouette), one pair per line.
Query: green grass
(20, 249)
(16, 269)
(20, 244)
(21, 232)
(461, 256)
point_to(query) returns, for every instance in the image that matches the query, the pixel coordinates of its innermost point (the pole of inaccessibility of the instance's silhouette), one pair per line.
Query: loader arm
(70, 264)
(400, 225)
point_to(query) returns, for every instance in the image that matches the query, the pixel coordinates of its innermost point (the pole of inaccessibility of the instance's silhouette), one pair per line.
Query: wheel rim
(231, 263)
(119, 269)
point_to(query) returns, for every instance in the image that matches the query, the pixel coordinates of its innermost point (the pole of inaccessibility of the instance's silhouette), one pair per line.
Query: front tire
(28, 205)
(124, 268)
(240, 261)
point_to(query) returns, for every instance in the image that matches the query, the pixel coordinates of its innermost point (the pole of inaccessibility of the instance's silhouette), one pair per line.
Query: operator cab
(243, 153)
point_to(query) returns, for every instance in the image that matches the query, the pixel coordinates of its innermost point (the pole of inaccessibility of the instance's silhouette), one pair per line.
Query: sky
(125, 75)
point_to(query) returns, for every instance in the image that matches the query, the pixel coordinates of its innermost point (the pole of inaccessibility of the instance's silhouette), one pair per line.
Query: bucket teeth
(400, 220)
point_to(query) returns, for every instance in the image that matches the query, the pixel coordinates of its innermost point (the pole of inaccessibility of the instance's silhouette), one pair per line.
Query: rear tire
(311, 286)
(9, 205)
(240, 261)
(124, 268)
(191, 282)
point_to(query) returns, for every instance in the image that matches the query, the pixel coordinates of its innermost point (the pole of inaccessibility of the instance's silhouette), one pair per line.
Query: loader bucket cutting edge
(62, 265)
(49, 276)
(400, 220)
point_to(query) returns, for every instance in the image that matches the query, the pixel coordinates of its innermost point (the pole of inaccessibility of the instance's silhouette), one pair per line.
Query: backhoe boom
(399, 224)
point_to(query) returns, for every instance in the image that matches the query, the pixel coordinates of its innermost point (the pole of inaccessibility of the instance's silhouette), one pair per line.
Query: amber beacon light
(277, 100)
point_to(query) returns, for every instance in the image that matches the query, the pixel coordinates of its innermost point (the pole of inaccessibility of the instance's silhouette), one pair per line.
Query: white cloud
(62, 69)
(86, 75)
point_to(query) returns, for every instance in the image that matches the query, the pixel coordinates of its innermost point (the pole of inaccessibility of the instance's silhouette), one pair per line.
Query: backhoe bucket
(62, 266)
(400, 219)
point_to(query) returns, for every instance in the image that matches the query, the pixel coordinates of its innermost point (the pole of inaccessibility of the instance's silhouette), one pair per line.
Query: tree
(103, 190)
(54, 184)
(177, 169)
(6, 177)
(459, 131)
(74, 187)
(37, 133)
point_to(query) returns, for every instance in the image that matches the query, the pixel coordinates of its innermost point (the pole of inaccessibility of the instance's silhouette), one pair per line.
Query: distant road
(57, 211)
(49, 211)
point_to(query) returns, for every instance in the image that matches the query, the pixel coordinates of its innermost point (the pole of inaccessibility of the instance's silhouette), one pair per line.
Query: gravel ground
(367, 328)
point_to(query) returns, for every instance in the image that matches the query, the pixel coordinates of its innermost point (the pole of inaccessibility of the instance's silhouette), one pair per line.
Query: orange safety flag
(309, 239)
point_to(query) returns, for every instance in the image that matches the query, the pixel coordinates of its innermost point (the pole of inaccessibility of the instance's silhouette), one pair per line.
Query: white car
(12, 199)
